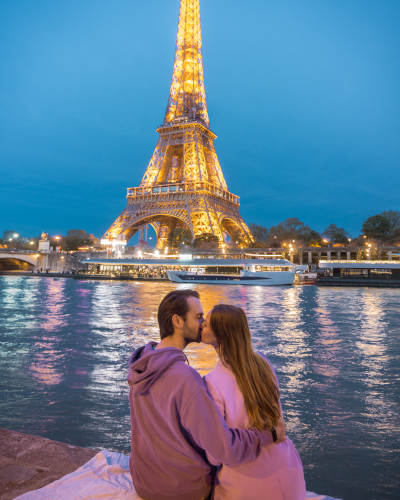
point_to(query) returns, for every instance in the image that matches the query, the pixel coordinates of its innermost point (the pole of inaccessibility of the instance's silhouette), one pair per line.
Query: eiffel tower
(183, 186)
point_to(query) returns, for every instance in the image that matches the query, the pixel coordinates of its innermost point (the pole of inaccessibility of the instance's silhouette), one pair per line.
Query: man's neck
(172, 341)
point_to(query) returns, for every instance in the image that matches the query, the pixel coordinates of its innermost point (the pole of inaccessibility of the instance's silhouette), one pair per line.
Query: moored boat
(267, 273)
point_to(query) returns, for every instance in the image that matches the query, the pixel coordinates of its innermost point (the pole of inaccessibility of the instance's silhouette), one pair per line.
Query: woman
(246, 391)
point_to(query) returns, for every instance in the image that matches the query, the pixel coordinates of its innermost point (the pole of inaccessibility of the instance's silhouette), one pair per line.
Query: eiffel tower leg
(165, 232)
(162, 237)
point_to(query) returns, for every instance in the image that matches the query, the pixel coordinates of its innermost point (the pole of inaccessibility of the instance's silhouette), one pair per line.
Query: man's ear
(177, 321)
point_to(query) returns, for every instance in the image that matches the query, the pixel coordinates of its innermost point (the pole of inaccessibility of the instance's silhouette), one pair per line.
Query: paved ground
(30, 462)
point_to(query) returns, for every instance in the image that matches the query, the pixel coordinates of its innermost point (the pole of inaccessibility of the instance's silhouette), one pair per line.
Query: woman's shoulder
(221, 374)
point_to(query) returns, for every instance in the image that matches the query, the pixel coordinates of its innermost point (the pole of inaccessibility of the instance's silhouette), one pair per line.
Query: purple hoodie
(173, 421)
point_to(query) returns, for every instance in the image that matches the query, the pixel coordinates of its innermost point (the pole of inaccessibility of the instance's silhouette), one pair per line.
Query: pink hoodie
(277, 474)
(173, 421)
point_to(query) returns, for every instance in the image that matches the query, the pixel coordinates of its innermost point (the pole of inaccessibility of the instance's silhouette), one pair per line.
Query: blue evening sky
(304, 96)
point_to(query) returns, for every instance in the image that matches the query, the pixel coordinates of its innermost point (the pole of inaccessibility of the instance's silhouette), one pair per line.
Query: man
(174, 421)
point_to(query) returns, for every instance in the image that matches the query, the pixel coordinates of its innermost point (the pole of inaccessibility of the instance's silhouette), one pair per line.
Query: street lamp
(16, 235)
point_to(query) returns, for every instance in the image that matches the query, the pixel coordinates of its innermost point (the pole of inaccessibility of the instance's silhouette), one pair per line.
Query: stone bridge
(18, 261)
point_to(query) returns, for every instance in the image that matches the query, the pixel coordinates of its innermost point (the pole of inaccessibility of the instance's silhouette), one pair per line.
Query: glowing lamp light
(16, 235)
(157, 253)
(31, 242)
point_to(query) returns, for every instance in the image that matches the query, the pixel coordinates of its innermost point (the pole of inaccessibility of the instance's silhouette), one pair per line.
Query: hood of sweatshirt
(146, 365)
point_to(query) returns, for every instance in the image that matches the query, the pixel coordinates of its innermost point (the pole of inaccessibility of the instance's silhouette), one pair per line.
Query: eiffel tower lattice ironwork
(183, 186)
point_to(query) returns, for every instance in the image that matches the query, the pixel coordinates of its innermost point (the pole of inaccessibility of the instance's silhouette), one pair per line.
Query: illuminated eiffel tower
(183, 186)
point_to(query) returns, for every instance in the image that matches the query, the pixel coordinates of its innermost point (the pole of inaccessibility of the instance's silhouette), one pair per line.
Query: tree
(180, 237)
(77, 238)
(377, 226)
(206, 240)
(336, 234)
(393, 216)
(395, 235)
(293, 229)
(236, 238)
(260, 234)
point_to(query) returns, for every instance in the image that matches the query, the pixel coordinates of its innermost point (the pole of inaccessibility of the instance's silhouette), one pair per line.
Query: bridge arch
(17, 262)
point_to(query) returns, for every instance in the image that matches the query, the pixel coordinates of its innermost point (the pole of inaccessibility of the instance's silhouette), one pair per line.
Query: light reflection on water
(65, 346)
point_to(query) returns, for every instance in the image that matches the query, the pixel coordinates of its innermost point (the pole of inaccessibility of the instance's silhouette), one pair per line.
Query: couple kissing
(217, 437)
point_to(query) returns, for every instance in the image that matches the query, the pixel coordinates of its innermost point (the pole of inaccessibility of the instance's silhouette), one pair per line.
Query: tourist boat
(186, 268)
(220, 272)
(372, 273)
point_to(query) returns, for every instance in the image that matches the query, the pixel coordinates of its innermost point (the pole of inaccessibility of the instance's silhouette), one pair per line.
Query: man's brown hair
(173, 303)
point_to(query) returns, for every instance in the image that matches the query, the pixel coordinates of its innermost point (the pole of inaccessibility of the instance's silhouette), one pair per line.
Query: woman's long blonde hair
(253, 373)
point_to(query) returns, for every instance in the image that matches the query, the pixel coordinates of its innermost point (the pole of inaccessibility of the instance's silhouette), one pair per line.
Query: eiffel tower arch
(183, 185)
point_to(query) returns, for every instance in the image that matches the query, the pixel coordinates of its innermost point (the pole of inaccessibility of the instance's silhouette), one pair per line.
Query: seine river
(65, 346)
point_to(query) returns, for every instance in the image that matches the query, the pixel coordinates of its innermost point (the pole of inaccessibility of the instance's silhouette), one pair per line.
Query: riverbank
(106, 277)
(29, 462)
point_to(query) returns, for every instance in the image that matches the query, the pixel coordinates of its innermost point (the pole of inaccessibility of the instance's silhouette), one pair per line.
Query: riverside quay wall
(26, 261)
(59, 262)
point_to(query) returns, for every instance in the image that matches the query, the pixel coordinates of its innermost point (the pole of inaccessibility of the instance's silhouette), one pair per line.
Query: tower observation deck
(183, 186)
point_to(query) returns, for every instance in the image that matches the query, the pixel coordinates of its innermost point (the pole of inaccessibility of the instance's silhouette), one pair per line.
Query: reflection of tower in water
(48, 355)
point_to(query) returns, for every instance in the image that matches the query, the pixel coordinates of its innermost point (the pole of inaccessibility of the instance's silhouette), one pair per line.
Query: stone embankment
(30, 462)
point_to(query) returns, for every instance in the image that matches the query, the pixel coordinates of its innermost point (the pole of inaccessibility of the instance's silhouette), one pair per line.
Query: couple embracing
(217, 437)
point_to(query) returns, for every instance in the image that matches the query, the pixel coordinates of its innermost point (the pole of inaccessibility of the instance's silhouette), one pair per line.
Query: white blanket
(105, 476)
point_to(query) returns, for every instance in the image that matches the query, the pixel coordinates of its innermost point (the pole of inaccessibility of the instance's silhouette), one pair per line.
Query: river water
(65, 346)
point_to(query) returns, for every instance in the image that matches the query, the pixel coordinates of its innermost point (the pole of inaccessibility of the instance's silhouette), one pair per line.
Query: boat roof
(192, 262)
(360, 264)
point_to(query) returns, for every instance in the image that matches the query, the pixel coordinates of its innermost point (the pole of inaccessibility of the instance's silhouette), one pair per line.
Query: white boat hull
(268, 278)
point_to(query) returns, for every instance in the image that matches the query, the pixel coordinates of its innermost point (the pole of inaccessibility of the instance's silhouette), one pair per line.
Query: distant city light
(16, 235)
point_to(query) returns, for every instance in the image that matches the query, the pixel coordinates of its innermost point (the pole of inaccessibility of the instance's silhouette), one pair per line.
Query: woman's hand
(280, 430)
